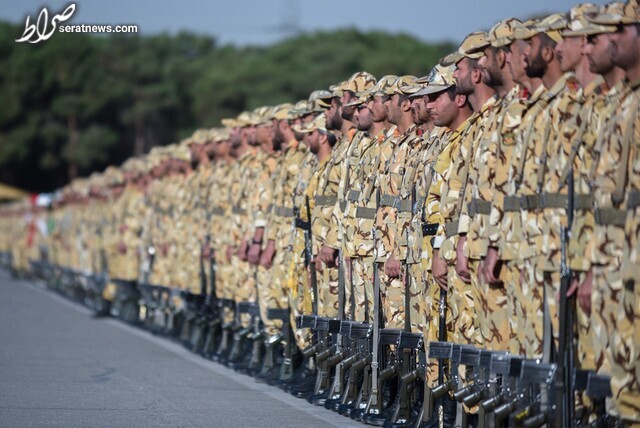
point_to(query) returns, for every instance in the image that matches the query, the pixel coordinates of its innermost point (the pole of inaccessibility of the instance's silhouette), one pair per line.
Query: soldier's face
(625, 47)
(333, 115)
(378, 109)
(363, 118)
(419, 112)
(462, 74)
(314, 141)
(569, 51)
(347, 112)
(299, 135)
(394, 111)
(441, 108)
(536, 66)
(599, 53)
(516, 61)
(263, 135)
(492, 74)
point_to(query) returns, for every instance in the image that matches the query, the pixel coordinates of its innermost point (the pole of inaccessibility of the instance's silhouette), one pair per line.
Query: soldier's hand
(242, 250)
(254, 254)
(266, 259)
(439, 270)
(488, 267)
(392, 267)
(122, 248)
(206, 252)
(462, 263)
(584, 292)
(328, 256)
(164, 250)
(317, 264)
(229, 252)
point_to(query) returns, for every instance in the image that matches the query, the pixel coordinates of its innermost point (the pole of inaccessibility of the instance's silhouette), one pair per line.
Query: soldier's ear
(501, 58)
(460, 100)
(406, 105)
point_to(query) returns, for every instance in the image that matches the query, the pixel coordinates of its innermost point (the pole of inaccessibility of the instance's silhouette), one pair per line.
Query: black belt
(634, 199)
(353, 196)
(429, 229)
(364, 212)
(239, 211)
(583, 202)
(512, 204)
(326, 200)
(544, 200)
(284, 212)
(402, 205)
(217, 211)
(610, 217)
(451, 228)
(479, 206)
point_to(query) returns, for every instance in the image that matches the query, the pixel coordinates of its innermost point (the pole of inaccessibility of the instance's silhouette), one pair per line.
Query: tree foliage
(77, 103)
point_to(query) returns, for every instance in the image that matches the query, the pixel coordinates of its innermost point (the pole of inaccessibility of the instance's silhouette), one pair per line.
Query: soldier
(616, 181)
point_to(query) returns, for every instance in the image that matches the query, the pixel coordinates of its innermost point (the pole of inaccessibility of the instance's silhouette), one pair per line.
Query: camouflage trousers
(328, 292)
(625, 350)
(462, 304)
(585, 354)
(299, 295)
(516, 306)
(361, 288)
(614, 322)
(245, 286)
(431, 315)
(492, 311)
(392, 300)
(275, 291)
(532, 293)
(263, 278)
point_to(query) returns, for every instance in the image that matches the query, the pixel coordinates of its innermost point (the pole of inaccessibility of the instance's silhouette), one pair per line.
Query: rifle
(351, 397)
(308, 247)
(533, 411)
(565, 394)
(375, 396)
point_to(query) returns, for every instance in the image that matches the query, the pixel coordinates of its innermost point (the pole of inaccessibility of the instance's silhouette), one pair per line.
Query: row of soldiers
(488, 204)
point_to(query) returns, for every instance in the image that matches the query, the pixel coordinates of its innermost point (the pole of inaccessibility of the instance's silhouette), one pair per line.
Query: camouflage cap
(440, 79)
(230, 122)
(452, 59)
(219, 134)
(113, 177)
(281, 111)
(524, 30)
(501, 34)
(473, 45)
(630, 14)
(200, 136)
(319, 124)
(300, 109)
(401, 81)
(320, 100)
(383, 84)
(411, 89)
(364, 97)
(357, 83)
(262, 115)
(580, 26)
(247, 118)
(179, 152)
(552, 25)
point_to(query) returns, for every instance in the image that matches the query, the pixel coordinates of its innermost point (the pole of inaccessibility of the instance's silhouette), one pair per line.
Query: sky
(263, 22)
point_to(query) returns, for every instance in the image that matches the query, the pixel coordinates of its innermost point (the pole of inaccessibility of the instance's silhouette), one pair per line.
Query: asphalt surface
(59, 366)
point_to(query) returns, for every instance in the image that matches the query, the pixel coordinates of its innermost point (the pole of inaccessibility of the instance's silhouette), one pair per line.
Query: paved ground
(59, 366)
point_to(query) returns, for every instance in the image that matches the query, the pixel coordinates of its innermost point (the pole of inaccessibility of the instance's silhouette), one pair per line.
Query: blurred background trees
(78, 103)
